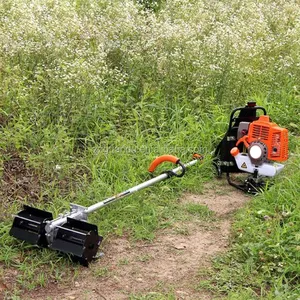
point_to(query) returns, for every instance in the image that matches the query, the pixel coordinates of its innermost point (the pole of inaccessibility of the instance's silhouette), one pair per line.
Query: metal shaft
(79, 214)
(135, 189)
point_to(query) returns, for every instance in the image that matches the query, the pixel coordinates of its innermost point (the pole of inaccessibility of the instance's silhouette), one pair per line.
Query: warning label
(244, 166)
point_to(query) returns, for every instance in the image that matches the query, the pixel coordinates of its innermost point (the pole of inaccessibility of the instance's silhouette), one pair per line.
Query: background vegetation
(91, 91)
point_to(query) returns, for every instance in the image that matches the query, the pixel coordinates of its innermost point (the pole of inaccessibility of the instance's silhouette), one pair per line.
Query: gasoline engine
(253, 144)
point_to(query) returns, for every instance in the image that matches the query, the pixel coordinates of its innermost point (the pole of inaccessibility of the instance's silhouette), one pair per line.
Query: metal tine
(29, 225)
(77, 238)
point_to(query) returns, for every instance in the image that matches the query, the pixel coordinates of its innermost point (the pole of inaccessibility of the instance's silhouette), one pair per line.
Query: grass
(201, 211)
(101, 272)
(86, 106)
(264, 253)
(154, 296)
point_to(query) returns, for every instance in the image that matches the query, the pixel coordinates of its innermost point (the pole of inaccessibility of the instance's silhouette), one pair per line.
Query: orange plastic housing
(273, 136)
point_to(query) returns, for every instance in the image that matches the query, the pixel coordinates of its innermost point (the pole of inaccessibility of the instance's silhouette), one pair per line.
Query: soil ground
(169, 264)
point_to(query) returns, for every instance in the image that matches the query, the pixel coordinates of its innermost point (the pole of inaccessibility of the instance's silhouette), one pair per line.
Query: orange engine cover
(273, 136)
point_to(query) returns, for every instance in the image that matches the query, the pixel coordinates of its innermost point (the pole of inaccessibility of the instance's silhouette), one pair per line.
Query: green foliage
(154, 296)
(199, 210)
(266, 249)
(154, 5)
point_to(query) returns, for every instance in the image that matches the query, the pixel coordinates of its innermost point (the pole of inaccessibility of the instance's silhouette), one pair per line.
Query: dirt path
(167, 265)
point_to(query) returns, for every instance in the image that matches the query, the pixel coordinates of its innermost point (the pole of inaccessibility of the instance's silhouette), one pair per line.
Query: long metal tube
(79, 214)
(135, 189)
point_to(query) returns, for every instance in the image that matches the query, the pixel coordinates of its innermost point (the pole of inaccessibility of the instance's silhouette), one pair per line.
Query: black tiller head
(29, 225)
(79, 239)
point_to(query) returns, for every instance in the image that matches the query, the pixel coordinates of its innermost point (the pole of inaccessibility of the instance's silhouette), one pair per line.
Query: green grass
(154, 296)
(199, 210)
(264, 256)
(86, 106)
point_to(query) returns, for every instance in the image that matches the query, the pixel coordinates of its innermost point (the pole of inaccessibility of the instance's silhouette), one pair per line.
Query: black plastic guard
(29, 225)
(79, 239)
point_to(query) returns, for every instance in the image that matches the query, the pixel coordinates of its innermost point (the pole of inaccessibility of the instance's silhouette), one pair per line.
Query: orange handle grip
(157, 161)
(244, 140)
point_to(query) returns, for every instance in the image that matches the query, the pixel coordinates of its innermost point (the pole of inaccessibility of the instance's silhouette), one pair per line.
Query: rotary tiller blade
(29, 225)
(77, 238)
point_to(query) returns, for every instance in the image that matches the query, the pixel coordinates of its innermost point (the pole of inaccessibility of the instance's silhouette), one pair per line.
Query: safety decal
(244, 166)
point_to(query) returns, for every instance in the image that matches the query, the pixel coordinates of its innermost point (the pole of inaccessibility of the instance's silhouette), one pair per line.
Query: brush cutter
(70, 233)
(252, 144)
